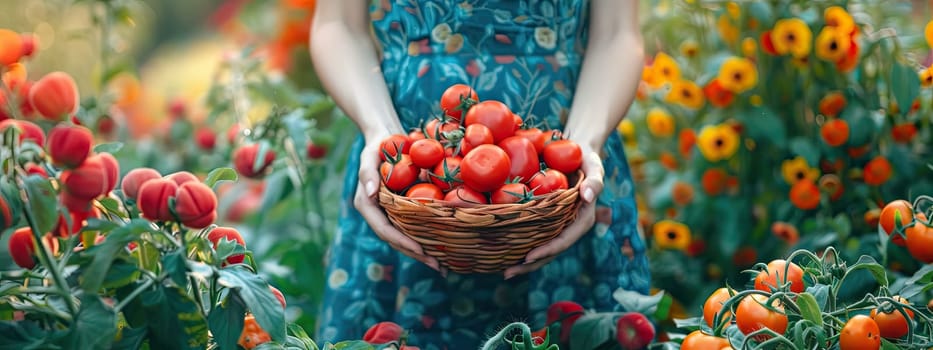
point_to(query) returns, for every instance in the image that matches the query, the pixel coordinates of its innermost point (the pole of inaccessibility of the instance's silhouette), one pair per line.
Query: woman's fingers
(380, 224)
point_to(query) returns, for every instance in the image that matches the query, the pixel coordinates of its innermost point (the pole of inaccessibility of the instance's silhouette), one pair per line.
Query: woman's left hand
(590, 189)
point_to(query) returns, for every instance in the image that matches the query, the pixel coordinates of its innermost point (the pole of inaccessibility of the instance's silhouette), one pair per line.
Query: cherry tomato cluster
(477, 152)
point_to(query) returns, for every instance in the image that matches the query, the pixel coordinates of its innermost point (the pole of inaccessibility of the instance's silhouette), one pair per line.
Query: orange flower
(904, 132)
(685, 141)
(714, 181)
(717, 95)
(660, 123)
(728, 31)
(718, 142)
(738, 74)
(832, 44)
(839, 18)
(670, 234)
(835, 132)
(651, 77)
(804, 194)
(666, 67)
(689, 48)
(668, 161)
(797, 169)
(792, 36)
(767, 45)
(926, 77)
(786, 232)
(877, 171)
(749, 47)
(682, 193)
(858, 152)
(832, 185)
(928, 33)
(832, 104)
(848, 63)
(872, 217)
(686, 93)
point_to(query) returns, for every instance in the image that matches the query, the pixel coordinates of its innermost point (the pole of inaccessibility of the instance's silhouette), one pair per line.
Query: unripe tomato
(751, 315)
(773, 276)
(153, 199)
(231, 234)
(68, 145)
(714, 304)
(892, 324)
(860, 333)
(196, 205)
(135, 178)
(894, 212)
(55, 96)
(244, 159)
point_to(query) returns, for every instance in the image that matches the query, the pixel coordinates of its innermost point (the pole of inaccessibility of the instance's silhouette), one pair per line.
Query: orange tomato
(892, 324)
(773, 276)
(904, 212)
(714, 304)
(920, 240)
(252, 334)
(751, 316)
(697, 340)
(860, 333)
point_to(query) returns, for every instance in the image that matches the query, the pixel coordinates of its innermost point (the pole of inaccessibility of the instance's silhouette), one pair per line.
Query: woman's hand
(590, 189)
(366, 203)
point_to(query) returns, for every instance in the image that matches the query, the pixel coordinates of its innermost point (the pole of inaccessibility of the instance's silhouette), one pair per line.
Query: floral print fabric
(526, 54)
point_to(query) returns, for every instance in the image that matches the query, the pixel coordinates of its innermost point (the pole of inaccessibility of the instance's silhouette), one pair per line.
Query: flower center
(737, 76)
(833, 46)
(791, 37)
(686, 93)
(671, 235)
(719, 142)
(800, 175)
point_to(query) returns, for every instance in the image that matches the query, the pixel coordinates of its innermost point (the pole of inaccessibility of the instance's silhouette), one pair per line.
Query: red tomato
(393, 144)
(545, 137)
(456, 99)
(426, 153)
(860, 333)
(892, 324)
(548, 181)
(495, 115)
(446, 174)
(475, 135)
(435, 129)
(518, 121)
(522, 155)
(465, 195)
(510, 193)
(423, 192)
(485, 168)
(416, 135)
(532, 135)
(399, 175)
(563, 155)
(773, 276)
(751, 315)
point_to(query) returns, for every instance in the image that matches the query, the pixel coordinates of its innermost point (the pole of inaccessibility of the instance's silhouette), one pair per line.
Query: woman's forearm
(347, 64)
(608, 81)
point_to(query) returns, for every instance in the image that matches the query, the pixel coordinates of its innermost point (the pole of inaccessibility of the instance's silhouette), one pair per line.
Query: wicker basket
(482, 238)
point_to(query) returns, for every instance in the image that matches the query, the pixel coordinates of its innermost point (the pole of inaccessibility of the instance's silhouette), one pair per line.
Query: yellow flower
(660, 123)
(792, 36)
(926, 77)
(928, 33)
(832, 44)
(738, 74)
(651, 77)
(838, 17)
(728, 31)
(666, 67)
(797, 169)
(733, 9)
(689, 48)
(718, 142)
(749, 47)
(669, 234)
(686, 93)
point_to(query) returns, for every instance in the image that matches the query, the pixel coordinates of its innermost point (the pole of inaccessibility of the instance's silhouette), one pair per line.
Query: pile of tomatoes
(477, 152)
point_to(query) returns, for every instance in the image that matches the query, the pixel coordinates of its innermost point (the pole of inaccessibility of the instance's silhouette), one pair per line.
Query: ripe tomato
(485, 168)
(773, 276)
(465, 195)
(522, 155)
(546, 137)
(458, 98)
(252, 334)
(860, 333)
(751, 315)
(892, 324)
(399, 175)
(416, 135)
(531, 134)
(494, 115)
(920, 240)
(548, 181)
(475, 135)
(393, 144)
(446, 174)
(713, 305)
(510, 193)
(563, 155)
(697, 340)
(426, 153)
(423, 192)
(436, 129)
(893, 212)
(518, 121)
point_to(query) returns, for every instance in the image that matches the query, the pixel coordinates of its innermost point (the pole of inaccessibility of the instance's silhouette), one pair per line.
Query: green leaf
(763, 124)
(888, 345)
(130, 339)
(112, 147)
(805, 148)
(866, 262)
(23, 335)
(689, 324)
(258, 298)
(809, 309)
(218, 175)
(591, 330)
(920, 282)
(226, 322)
(637, 302)
(121, 274)
(99, 225)
(174, 265)
(112, 205)
(117, 239)
(353, 345)
(842, 225)
(820, 294)
(664, 307)
(95, 325)
(42, 202)
(905, 84)
(298, 334)
(735, 336)
(174, 320)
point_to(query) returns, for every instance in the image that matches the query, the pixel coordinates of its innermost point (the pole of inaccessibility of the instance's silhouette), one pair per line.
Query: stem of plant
(45, 256)
(148, 283)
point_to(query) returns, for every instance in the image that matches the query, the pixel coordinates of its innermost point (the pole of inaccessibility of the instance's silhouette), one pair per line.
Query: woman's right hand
(367, 204)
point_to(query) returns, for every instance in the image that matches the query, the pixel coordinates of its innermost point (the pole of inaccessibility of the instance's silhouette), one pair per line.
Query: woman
(528, 54)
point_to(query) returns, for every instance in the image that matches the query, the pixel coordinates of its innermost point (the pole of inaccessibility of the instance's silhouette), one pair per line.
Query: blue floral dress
(527, 54)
